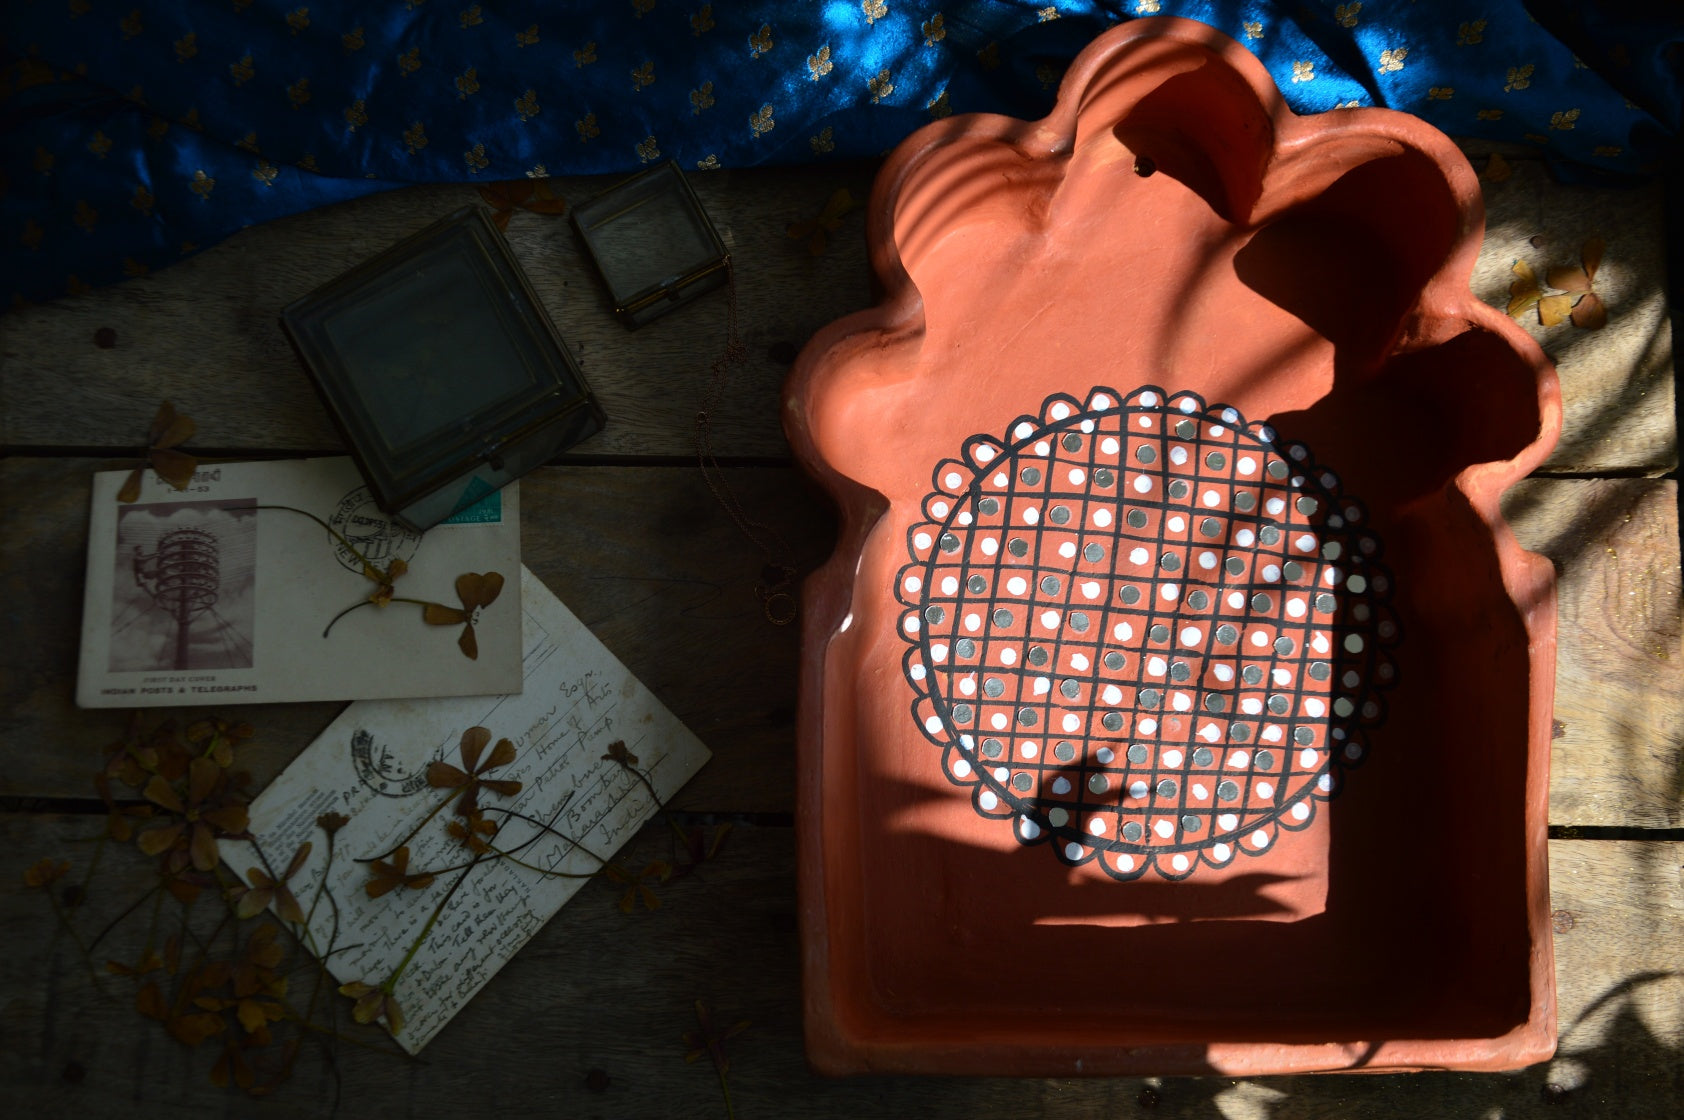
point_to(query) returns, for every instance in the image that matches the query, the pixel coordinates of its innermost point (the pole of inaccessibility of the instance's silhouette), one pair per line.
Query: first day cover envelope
(210, 595)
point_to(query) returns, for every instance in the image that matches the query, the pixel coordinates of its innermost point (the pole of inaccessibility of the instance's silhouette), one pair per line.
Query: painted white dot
(1207, 560)
(1251, 706)
(1210, 733)
(1259, 638)
(1059, 410)
(1072, 722)
(1318, 642)
(1179, 862)
(973, 622)
(1217, 431)
(938, 652)
(1307, 757)
(1079, 662)
(1125, 862)
(1211, 498)
(1105, 755)
(918, 672)
(1222, 852)
(1061, 785)
(1231, 415)
(1001, 773)
(1109, 445)
(1275, 506)
(1017, 585)
(1245, 538)
(1112, 694)
(1145, 421)
(1122, 631)
(1000, 480)
(1023, 430)
(1282, 677)
(1224, 672)
(1265, 433)
(961, 769)
(1100, 402)
(1172, 758)
(932, 724)
(1201, 792)
(1246, 465)
(1092, 590)
(967, 684)
(1239, 760)
(1072, 851)
(1102, 517)
(1149, 398)
(1008, 656)
(1191, 636)
(1156, 666)
(913, 584)
(998, 721)
(939, 508)
(1271, 734)
(1164, 829)
(1177, 524)
(1227, 821)
(1029, 748)
(1331, 576)
(1142, 483)
(1042, 686)
(1077, 476)
(1028, 828)
(1271, 572)
(1181, 702)
(1067, 549)
(1169, 592)
(1138, 790)
(1260, 839)
(1049, 620)
(1097, 826)
(1236, 599)
(1265, 790)
(987, 799)
(1148, 726)
(1305, 543)
(1031, 515)
(1314, 706)
(1295, 608)
(1300, 812)
(1138, 556)
(1324, 782)
(984, 453)
(911, 624)
(1178, 455)
(1042, 447)
(921, 541)
(989, 546)
(949, 585)
(953, 480)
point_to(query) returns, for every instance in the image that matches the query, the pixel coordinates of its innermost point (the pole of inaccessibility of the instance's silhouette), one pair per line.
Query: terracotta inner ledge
(1176, 700)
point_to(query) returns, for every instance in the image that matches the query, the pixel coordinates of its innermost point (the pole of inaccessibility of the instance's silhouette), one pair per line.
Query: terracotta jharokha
(1176, 699)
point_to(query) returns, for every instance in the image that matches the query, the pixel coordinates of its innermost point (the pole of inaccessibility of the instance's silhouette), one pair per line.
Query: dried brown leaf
(174, 467)
(131, 486)
(468, 644)
(1525, 291)
(1590, 313)
(149, 1001)
(1497, 168)
(442, 775)
(474, 740)
(437, 614)
(1568, 279)
(298, 859)
(1553, 310)
(1591, 255)
(501, 755)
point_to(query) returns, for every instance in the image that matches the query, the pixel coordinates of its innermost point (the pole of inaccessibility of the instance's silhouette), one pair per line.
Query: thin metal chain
(777, 578)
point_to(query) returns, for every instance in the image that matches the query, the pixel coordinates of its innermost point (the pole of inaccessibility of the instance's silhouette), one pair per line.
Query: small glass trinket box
(653, 244)
(441, 369)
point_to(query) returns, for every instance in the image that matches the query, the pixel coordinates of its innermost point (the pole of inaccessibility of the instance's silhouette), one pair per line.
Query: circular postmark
(380, 771)
(371, 531)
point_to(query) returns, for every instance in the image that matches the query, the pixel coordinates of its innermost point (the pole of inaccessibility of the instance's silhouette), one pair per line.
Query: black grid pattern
(1132, 623)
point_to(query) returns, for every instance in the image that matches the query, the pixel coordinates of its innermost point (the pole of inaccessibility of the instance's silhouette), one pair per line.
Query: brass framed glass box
(653, 244)
(441, 369)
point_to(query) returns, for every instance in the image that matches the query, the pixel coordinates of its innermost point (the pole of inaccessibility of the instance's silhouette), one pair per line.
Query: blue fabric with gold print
(132, 136)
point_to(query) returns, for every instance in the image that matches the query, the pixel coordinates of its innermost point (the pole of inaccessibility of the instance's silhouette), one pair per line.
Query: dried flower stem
(432, 919)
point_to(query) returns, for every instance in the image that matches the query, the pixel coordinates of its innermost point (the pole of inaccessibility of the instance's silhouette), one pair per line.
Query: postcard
(225, 592)
(575, 807)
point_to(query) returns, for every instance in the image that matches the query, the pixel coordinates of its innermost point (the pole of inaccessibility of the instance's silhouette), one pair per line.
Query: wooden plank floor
(630, 538)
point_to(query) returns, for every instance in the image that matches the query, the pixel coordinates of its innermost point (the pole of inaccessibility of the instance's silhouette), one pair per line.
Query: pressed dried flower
(45, 872)
(265, 891)
(205, 812)
(373, 1002)
(119, 820)
(331, 823)
(468, 778)
(385, 876)
(477, 591)
(473, 832)
(168, 431)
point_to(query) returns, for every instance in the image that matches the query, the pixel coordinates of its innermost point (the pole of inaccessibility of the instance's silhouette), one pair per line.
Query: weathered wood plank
(1617, 383)
(600, 990)
(643, 555)
(647, 559)
(1619, 697)
(204, 333)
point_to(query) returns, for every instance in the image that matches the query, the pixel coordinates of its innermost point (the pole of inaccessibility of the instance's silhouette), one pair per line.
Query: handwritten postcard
(197, 597)
(371, 765)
